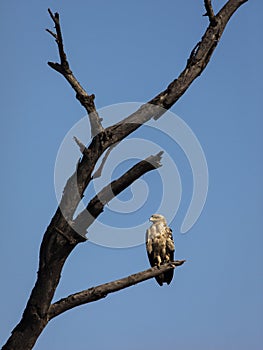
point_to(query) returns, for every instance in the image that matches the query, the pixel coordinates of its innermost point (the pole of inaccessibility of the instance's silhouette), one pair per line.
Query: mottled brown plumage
(160, 246)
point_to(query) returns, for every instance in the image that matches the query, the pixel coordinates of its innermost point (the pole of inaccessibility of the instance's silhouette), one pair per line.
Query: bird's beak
(151, 219)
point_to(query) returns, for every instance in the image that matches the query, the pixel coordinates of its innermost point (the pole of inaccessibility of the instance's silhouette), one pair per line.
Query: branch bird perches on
(101, 291)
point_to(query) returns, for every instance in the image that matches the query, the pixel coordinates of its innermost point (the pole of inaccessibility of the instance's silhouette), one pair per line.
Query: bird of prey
(160, 246)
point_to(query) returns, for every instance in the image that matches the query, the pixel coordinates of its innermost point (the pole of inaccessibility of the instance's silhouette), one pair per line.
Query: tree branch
(196, 63)
(101, 291)
(155, 108)
(96, 205)
(63, 68)
(58, 242)
(210, 12)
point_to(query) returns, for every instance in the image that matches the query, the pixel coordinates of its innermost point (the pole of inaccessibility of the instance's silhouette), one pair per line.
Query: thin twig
(52, 33)
(86, 100)
(101, 291)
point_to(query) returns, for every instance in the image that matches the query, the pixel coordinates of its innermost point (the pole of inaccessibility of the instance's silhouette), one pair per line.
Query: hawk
(160, 246)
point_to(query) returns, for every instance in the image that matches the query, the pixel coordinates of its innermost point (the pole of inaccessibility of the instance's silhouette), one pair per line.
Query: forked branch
(63, 68)
(156, 107)
(210, 12)
(96, 205)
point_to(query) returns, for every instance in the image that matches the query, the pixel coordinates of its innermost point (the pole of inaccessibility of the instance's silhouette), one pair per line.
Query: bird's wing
(170, 248)
(149, 246)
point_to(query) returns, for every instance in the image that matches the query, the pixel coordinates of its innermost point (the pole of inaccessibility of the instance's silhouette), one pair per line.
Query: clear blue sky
(124, 52)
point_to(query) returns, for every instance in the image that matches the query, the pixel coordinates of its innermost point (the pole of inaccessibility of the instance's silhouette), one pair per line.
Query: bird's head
(157, 218)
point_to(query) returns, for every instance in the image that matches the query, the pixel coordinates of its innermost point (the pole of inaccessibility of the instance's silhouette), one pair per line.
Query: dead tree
(62, 234)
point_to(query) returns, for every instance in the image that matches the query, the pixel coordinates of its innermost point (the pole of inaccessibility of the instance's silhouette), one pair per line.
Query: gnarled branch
(63, 68)
(156, 107)
(96, 205)
(101, 291)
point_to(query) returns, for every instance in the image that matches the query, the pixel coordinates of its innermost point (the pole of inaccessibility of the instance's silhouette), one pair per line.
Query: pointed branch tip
(82, 147)
(54, 16)
(52, 33)
(51, 15)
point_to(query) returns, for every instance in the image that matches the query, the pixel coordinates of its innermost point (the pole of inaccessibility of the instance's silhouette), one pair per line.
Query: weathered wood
(96, 205)
(63, 68)
(101, 291)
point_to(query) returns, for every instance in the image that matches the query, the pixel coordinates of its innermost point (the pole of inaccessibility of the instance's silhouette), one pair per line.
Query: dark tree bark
(99, 292)
(62, 234)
